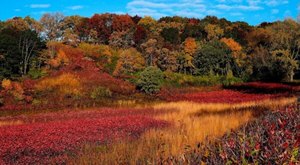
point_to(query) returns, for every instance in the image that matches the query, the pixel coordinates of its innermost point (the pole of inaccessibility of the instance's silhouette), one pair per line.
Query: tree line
(208, 46)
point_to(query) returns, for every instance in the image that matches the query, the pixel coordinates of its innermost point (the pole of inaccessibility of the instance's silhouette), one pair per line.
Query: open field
(143, 134)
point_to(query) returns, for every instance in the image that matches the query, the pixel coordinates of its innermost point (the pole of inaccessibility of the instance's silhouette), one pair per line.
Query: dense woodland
(123, 45)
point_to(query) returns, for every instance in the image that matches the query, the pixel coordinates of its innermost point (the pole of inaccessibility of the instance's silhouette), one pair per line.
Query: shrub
(178, 79)
(18, 92)
(150, 80)
(36, 73)
(14, 89)
(100, 92)
(65, 84)
(60, 59)
(6, 84)
(229, 79)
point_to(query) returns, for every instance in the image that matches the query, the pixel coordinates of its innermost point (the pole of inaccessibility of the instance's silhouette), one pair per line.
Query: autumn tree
(167, 60)
(122, 23)
(139, 35)
(150, 25)
(68, 26)
(150, 51)
(148, 22)
(236, 50)
(82, 29)
(101, 54)
(190, 46)
(185, 59)
(130, 61)
(259, 37)
(213, 31)
(52, 26)
(34, 25)
(122, 39)
(285, 36)
(101, 26)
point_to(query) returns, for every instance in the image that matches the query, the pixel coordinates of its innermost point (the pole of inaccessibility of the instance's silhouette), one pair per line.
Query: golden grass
(186, 131)
(8, 123)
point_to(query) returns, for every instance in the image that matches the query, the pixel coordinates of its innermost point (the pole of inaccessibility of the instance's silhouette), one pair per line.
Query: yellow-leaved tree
(130, 61)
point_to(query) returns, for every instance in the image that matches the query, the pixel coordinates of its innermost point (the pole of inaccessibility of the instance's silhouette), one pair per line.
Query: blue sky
(251, 11)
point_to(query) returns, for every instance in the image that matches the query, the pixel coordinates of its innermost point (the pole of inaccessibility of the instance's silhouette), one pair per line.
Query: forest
(122, 89)
(124, 45)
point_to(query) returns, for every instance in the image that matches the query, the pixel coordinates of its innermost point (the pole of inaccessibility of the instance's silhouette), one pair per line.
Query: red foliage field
(221, 96)
(50, 138)
(245, 92)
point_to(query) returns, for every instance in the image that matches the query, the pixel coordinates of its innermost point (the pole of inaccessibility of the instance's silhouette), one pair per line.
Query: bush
(229, 79)
(6, 84)
(100, 92)
(36, 73)
(150, 80)
(14, 89)
(178, 79)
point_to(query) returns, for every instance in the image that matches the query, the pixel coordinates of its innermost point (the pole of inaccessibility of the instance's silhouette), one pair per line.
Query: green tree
(18, 49)
(213, 57)
(150, 80)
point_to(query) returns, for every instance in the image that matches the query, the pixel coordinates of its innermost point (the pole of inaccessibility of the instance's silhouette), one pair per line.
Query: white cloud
(276, 2)
(159, 8)
(17, 10)
(39, 6)
(77, 7)
(238, 7)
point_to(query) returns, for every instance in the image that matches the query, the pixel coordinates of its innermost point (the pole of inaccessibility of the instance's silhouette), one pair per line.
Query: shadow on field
(255, 110)
(266, 88)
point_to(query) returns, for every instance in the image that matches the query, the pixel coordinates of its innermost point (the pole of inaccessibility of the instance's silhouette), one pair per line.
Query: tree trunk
(292, 76)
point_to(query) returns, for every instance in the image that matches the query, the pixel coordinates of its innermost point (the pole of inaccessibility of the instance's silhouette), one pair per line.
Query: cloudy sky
(251, 11)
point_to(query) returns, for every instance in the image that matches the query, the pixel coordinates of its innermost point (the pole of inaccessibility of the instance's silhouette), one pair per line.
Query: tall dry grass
(191, 123)
(8, 123)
